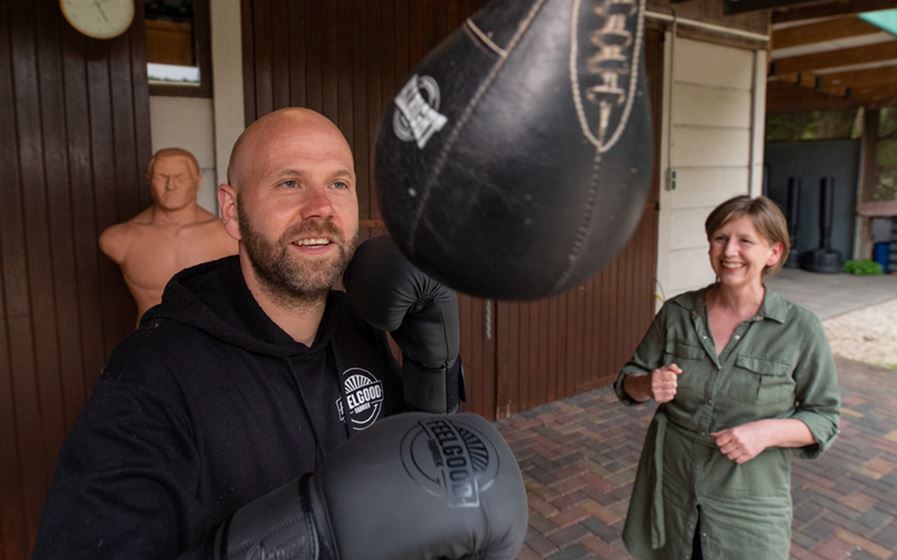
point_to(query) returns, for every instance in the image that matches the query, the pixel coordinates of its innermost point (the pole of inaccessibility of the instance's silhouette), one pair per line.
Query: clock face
(100, 19)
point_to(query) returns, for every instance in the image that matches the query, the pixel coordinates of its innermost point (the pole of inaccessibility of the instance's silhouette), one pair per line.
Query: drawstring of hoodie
(319, 448)
(347, 420)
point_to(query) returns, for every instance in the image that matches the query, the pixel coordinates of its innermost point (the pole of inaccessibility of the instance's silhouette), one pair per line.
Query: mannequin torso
(173, 234)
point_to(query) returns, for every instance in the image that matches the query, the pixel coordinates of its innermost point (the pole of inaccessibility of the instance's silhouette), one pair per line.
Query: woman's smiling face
(739, 254)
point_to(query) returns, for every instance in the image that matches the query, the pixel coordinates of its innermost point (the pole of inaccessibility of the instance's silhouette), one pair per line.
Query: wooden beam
(786, 98)
(869, 165)
(879, 52)
(743, 6)
(808, 80)
(860, 78)
(884, 103)
(877, 209)
(806, 101)
(834, 91)
(821, 31)
(828, 9)
(878, 91)
(805, 80)
(876, 99)
(790, 78)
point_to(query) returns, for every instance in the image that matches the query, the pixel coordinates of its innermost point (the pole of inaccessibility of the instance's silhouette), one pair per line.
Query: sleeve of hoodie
(127, 473)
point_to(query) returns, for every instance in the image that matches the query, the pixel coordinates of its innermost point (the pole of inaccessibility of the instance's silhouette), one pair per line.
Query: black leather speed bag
(515, 160)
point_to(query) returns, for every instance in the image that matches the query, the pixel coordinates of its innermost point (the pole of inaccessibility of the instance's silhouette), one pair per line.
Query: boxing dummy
(413, 486)
(515, 160)
(421, 314)
(172, 234)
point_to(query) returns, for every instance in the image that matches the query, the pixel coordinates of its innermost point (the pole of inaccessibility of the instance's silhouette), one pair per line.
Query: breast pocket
(760, 380)
(690, 360)
(677, 352)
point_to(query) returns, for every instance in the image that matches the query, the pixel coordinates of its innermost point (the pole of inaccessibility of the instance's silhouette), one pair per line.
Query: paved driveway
(829, 295)
(579, 457)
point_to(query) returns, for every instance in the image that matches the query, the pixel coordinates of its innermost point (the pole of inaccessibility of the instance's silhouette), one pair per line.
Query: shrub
(864, 267)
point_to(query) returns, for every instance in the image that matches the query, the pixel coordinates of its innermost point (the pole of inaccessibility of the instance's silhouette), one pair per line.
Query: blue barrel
(881, 253)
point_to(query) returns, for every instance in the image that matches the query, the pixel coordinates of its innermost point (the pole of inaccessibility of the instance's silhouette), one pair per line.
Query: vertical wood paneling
(374, 99)
(247, 44)
(477, 354)
(12, 519)
(297, 23)
(345, 77)
(83, 210)
(280, 69)
(23, 257)
(359, 100)
(263, 49)
(75, 113)
(61, 223)
(330, 61)
(49, 211)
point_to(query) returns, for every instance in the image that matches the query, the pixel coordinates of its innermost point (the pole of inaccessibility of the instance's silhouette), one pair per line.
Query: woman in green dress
(744, 380)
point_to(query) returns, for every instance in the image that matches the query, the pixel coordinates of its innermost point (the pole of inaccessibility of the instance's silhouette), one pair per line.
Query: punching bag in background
(515, 161)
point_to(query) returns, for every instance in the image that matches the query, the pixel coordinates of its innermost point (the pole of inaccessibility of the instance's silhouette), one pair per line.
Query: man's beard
(287, 277)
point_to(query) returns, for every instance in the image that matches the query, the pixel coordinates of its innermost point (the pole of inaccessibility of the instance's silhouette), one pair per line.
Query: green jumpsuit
(776, 365)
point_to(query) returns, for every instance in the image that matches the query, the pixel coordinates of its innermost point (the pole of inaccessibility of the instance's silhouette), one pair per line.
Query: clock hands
(100, 8)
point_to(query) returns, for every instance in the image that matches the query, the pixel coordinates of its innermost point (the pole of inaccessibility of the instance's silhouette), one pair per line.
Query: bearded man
(252, 372)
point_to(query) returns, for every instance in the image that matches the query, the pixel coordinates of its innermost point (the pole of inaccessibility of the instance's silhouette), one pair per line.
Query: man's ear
(227, 208)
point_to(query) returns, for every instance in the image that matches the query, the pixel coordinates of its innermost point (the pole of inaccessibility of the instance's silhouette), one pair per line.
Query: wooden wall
(75, 127)
(347, 59)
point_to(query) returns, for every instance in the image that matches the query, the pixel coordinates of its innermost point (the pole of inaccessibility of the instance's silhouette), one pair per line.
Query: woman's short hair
(766, 216)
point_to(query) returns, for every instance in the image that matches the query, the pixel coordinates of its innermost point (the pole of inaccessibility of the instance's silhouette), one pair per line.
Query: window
(177, 47)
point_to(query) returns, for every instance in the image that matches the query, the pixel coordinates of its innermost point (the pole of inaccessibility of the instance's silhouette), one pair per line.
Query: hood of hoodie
(213, 297)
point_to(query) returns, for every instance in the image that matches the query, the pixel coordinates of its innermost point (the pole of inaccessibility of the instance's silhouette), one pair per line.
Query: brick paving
(579, 455)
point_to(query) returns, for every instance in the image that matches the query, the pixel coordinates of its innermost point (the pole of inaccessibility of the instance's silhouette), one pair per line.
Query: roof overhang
(831, 54)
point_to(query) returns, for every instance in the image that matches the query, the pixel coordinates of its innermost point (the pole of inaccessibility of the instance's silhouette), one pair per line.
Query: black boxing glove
(413, 486)
(393, 295)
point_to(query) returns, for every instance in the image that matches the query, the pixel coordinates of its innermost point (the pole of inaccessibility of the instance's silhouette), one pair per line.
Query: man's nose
(316, 204)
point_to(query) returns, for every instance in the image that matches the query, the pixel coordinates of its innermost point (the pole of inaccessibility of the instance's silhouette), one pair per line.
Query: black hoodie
(207, 406)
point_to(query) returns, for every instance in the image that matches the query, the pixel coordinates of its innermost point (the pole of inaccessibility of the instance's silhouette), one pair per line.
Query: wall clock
(100, 19)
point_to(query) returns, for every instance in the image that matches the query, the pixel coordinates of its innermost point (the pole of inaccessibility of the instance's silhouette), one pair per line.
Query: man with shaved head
(169, 236)
(291, 201)
(221, 428)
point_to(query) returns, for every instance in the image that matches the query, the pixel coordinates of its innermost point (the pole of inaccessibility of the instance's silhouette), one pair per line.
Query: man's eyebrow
(344, 173)
(341, 173)
(289, 173)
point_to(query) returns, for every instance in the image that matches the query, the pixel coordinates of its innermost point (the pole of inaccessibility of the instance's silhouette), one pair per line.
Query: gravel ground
(868, 335)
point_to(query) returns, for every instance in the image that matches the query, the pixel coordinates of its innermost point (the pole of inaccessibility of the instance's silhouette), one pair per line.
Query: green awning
(885, 19)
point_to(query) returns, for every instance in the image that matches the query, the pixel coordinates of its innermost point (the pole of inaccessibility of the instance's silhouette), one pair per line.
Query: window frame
(203, 58)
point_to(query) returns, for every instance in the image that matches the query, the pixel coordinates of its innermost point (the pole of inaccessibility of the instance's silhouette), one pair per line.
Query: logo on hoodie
(364, 395)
